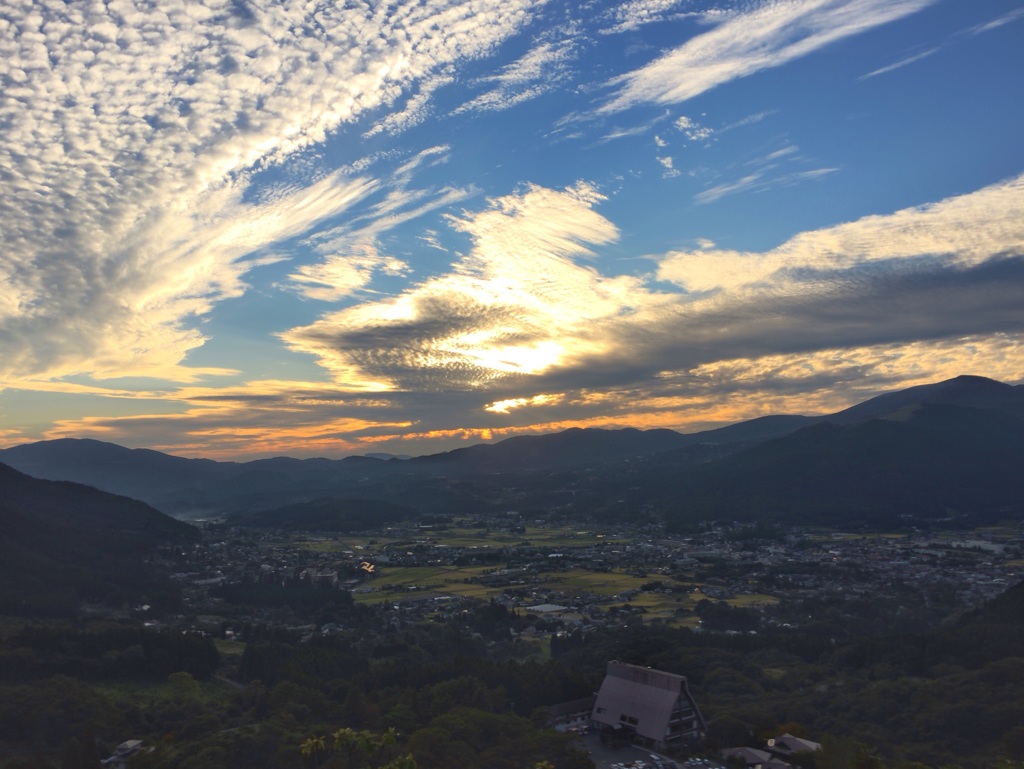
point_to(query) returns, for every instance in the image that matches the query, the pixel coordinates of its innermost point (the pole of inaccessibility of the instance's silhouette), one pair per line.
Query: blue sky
(241, 229)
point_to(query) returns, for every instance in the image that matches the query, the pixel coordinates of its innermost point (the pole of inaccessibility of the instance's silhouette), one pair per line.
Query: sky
(240, 229)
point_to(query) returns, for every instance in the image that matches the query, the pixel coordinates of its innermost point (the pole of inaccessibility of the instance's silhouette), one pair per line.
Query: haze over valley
(942, 452)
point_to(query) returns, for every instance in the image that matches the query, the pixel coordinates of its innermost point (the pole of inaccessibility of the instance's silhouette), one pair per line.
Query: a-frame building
(649, 706)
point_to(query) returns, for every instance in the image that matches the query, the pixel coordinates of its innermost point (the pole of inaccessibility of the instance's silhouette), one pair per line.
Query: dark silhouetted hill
(923, 462)
(573, 447)
(902, 453)
(975, 391)
(150, 476)
(63, 543)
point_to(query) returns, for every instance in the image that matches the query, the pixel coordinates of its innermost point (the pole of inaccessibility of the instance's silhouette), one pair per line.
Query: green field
(461, 537)
(532, 535)
(402, 583)
(408, 581)
(830, 535)
(579, 581)
(749, 600)
(431, 581)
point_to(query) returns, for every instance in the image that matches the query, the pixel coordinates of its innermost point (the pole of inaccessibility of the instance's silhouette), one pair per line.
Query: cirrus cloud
(132, 134)
(744, 42)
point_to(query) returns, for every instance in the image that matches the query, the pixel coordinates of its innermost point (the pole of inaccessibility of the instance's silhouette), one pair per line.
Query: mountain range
(936, 451)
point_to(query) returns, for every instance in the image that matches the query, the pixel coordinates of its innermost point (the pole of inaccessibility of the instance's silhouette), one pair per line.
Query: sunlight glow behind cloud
(517, 304)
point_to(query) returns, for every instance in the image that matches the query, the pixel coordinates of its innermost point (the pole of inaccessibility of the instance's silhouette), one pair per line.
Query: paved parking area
(620, 758)
(631, 757)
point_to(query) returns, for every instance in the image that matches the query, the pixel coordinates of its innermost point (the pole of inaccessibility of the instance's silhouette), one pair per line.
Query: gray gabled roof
(644, 694)
(787, 743)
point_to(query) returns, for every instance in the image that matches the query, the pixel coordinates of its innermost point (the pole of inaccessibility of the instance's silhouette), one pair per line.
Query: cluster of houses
(795, 565)
(774, 755)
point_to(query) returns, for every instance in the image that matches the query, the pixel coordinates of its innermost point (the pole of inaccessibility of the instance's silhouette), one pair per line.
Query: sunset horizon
(244, 230)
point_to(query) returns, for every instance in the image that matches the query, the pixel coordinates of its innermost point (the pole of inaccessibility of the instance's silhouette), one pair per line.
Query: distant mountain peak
(964, 390)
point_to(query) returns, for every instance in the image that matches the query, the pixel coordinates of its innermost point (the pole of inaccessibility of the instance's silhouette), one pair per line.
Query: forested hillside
(62, 544)
(879, 702)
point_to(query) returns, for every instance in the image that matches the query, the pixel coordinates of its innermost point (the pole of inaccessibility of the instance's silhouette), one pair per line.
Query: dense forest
(452, 696)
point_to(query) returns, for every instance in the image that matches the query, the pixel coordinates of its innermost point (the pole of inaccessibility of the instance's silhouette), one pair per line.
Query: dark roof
(749, 756)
